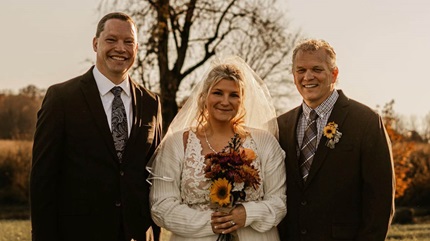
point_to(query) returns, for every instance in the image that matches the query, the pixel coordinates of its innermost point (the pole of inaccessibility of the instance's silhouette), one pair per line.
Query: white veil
(260, 112)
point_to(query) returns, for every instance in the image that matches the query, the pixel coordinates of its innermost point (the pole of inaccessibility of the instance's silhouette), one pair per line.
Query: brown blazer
(349, 193)
(78, 189)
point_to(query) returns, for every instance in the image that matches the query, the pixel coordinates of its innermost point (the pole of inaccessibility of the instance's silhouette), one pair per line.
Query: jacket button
(303, 231)
(118, 204)
(303, 203)
(121, 173)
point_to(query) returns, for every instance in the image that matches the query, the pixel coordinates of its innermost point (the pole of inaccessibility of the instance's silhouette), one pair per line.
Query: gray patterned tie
(309, 146)
(119, 122)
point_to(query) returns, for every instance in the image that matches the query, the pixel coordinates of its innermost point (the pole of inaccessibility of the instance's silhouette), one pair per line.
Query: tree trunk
(168, 86)
(168, 100)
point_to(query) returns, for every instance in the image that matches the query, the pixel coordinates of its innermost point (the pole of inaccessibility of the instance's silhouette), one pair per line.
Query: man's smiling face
(313, 76)
(116, 49)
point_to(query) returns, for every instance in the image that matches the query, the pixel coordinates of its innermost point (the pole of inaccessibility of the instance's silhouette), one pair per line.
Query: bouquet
(231, 172)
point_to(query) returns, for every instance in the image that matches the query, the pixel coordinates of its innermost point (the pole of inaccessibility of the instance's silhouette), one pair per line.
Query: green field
(19, 230)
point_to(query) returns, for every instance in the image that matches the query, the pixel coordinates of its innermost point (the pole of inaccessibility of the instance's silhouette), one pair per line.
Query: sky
(382, 46)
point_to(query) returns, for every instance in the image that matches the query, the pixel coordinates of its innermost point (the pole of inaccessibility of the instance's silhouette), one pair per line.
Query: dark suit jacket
(349, 192)
(78, 189)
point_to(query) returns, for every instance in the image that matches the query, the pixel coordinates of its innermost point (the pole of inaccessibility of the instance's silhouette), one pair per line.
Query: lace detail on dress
(195, 186)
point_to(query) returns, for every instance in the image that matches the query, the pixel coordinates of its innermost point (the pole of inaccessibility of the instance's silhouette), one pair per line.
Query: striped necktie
(309, 146)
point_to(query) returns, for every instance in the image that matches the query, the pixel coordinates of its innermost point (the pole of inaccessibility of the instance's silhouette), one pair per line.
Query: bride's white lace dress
(182, 204)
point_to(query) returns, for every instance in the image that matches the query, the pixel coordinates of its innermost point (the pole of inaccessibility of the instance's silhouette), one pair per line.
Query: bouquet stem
(227, 237)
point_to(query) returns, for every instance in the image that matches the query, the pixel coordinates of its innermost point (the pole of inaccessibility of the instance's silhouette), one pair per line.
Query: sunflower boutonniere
(332, 133)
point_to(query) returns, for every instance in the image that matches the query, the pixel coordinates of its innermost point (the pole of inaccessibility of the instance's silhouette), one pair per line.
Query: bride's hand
(227, 223)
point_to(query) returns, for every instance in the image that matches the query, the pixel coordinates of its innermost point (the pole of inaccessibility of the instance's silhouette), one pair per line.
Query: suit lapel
(137, 96)
(143, 123)
(338, 115)
(92, 96)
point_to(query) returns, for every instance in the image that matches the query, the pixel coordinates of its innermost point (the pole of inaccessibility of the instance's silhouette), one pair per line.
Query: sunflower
(220, 192)
(330, 130)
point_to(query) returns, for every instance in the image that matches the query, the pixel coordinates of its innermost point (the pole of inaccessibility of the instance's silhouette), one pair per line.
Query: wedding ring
(232, 223)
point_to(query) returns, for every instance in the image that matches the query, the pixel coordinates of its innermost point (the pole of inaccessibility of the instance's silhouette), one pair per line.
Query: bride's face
(223, 101)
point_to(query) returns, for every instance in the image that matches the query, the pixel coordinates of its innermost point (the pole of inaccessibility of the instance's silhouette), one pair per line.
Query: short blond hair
(311, 45)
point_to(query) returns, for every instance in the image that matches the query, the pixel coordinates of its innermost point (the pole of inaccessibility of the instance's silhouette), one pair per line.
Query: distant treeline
(18, 113)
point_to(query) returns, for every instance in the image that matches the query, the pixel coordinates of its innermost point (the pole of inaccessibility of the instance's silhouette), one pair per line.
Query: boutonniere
(332, 133)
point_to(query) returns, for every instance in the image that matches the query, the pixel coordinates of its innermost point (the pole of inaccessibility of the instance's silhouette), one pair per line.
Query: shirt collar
(105, 85)
(324, 108)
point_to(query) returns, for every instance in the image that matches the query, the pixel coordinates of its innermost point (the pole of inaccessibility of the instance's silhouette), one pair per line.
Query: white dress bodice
(195, 186)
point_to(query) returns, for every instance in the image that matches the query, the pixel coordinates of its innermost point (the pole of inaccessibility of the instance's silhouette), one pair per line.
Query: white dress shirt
(105, 85)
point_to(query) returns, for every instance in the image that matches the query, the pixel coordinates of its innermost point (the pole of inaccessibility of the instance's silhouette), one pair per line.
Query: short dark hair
(114, 15)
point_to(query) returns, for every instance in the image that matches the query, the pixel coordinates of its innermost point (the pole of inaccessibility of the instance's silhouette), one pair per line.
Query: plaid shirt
(323, 111)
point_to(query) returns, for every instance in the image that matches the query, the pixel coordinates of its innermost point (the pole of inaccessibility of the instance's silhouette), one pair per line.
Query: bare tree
(412, 123)
(426, 128)
(32, 91)
(178, 37)
(392, 119)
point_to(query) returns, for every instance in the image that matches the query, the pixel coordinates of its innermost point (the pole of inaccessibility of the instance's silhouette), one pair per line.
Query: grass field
(410, 232)
(19, 230)
(14, 230)
(13, 145)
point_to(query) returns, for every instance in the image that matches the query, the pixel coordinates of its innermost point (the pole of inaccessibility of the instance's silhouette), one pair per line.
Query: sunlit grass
(19, 230)
(15, 164)
(13, 145)
(410, 232)
(14, 230)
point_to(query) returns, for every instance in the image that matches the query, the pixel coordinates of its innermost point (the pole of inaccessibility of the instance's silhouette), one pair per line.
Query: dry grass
(18, 230)
(412, 232)
(15, 230)
(14, 146)
(15, 164)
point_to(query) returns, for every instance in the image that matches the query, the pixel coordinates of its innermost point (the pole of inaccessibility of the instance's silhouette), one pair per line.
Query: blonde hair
(216, 74)
(311, 45)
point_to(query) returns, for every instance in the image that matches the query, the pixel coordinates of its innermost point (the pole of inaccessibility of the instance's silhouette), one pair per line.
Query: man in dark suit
(87, 183)
(340, 181)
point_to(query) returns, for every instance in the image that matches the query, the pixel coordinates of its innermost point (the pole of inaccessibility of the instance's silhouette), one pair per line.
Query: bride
(231, 99)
